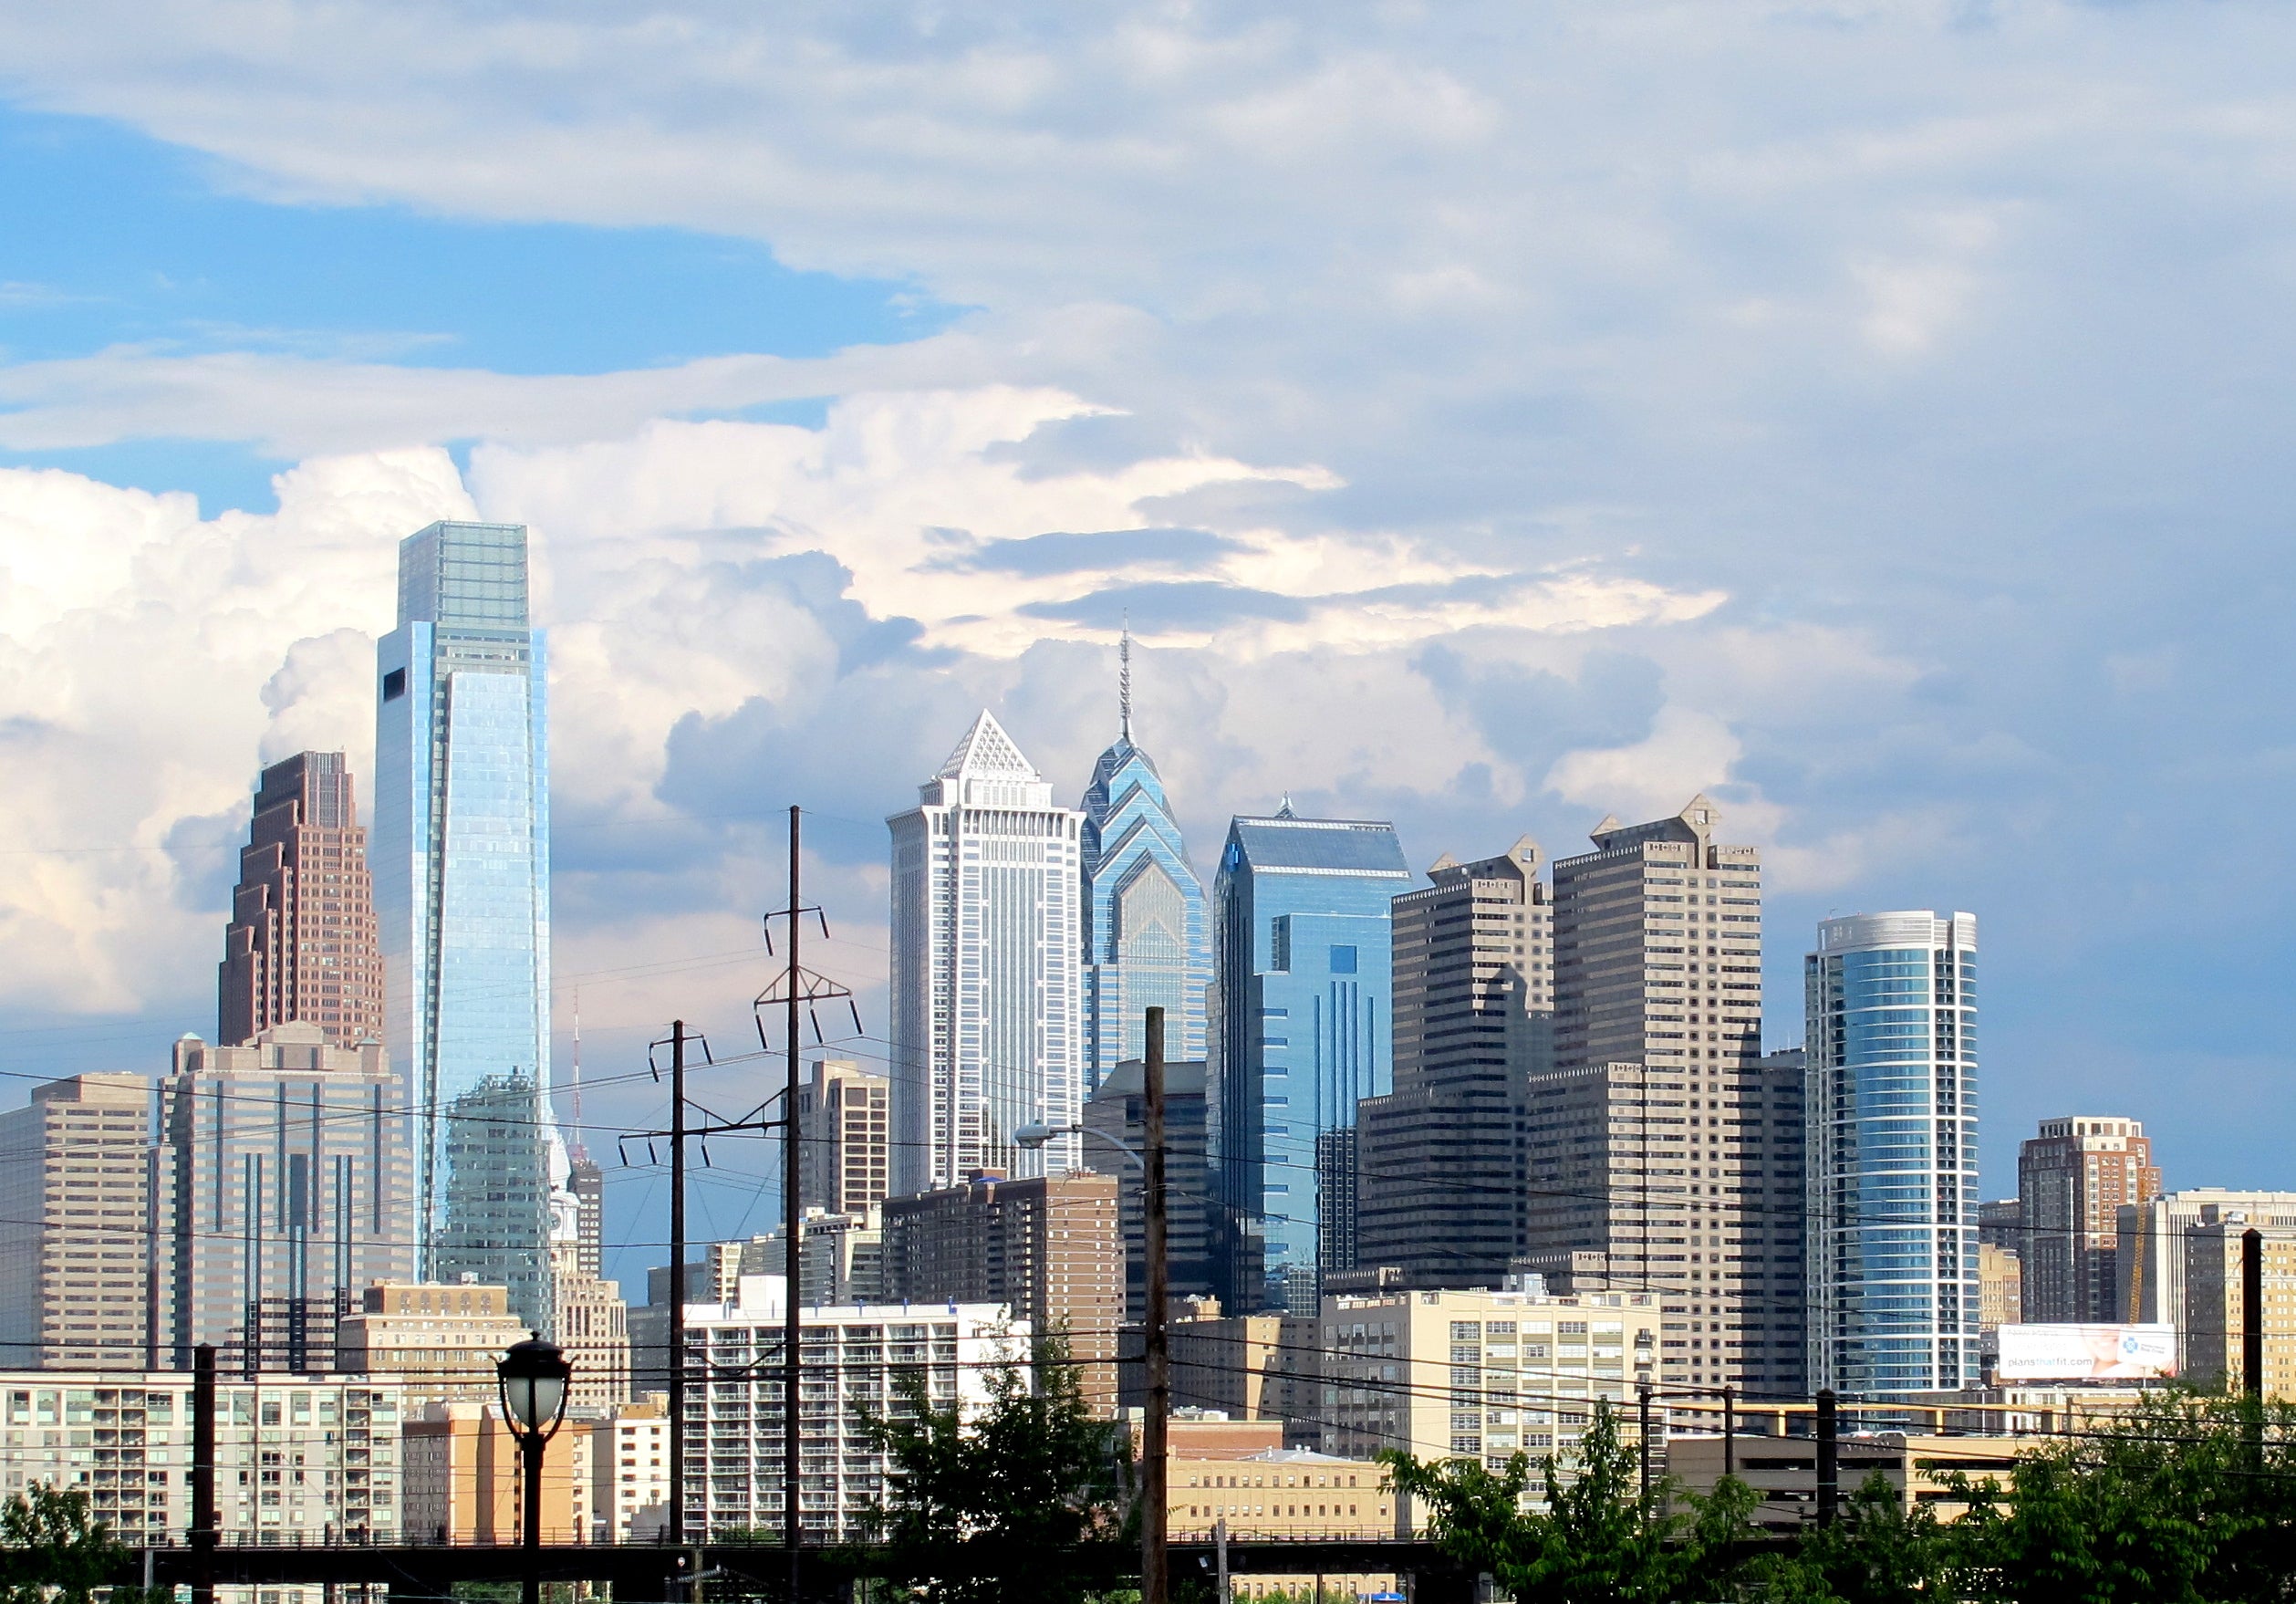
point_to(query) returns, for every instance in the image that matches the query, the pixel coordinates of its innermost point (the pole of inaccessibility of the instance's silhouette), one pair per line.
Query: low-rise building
(441, 1341)
(629, 1472)
(465, 1479)
(849, 1359)
(1783, 1471)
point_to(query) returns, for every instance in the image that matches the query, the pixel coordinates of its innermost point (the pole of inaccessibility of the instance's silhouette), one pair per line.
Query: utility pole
(2252, 1341)
(1219, 1548)
(1155, 1555)
(792, 1229)
(1829, 1458)
(1729, 1430)
(1642, 1430)
(676, 1523)
(203, 1532)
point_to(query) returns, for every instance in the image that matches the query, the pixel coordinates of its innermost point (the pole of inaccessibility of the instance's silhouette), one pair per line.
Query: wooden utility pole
(1156, 1582)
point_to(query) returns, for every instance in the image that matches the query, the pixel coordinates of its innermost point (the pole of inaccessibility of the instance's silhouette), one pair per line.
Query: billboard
(2086, 1353)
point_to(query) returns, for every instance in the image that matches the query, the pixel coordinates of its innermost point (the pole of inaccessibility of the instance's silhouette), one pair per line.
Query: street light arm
(1036, 1134)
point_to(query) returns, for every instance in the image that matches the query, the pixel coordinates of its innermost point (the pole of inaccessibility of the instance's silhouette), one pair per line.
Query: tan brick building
(465, 1483)
(1048, 1247)
(442, 1340)
(2072, 1180)
(74, 1225)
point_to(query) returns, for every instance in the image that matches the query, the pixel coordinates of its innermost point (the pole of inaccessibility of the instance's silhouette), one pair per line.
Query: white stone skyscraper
(987, 1011)
(461, 856)
(1892, 1110)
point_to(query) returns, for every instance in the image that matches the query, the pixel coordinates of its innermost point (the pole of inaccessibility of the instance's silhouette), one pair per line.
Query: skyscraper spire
(1124, 679)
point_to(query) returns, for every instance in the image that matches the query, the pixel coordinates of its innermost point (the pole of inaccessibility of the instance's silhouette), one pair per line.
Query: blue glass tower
(1145, 944)
(1301, 1014)
(1891, 1133)
(460, 857)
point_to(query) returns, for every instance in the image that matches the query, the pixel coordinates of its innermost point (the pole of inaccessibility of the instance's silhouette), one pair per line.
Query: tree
(56, 1551)
(1877, 1553)
(978, 1505)
(1598, 1541)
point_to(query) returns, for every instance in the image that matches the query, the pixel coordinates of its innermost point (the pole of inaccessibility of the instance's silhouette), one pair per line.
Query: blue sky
(1873, 412)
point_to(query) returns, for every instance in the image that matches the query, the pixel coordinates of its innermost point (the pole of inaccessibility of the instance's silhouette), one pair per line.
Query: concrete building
(841, 1258)
(2149, 1257)
(1300, 1031)
(1653, 1178)
(1479, 1375)
(1441, 1177)
(2000, 1275)
(1891, 1003)
(440, 1341)
(2072, 1180)
(75, 1193)
(1783, 1471)
(283, 1186)
(1241, 1474)
(987, 1002)
(2209, 1336)
(844, 1165)
(734, 1427)
(629, 1472)
(1145, 942)
(297, 1458)
(1658, 948)
(591, 1323)
(303, 946)
(465, 1479)
(1116, 1130)
(1237, 1366)
(2001, 1222)
(1046, 1248)
(460, 854)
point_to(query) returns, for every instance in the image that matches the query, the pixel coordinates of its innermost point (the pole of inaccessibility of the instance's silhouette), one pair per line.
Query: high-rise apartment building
(844, 1164)
(1658, 947)
(440, 1341)
(283, 1186)
(591, 1323)
(1301, 1032)
(1649, 1178)
(1440, 1162)
(1047, 1246)
(987, 1006)
(1895, 1298)
(1116, 1129)
(1145, 942)
(461, 853)
(2072, 1181)
(586, 1181)
(2216, 1305)
(303, 946)
(75, 1188)
(2149, 1257)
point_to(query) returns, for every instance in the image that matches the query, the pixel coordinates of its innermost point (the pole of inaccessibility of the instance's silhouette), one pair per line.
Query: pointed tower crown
(987, 770)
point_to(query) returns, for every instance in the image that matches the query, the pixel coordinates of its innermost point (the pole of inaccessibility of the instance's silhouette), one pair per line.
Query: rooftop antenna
(580, 1149)
(1123, 677)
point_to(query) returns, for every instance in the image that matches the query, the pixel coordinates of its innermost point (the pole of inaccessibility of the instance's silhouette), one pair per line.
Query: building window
(1342, 961)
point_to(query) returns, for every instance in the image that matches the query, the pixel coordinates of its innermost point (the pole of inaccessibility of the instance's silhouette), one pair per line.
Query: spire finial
(1124, 678)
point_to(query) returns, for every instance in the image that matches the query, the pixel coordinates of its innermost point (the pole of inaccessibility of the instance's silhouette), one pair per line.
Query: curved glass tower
(1892, 1131)
(1144, 942)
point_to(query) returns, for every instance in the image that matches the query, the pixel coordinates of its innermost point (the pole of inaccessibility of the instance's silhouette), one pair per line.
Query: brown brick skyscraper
(303, 944)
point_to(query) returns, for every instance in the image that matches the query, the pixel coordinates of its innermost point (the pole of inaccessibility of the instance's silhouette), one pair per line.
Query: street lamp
(533, 1377)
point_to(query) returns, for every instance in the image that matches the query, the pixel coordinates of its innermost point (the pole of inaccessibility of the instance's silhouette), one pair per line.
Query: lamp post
(533, 1377)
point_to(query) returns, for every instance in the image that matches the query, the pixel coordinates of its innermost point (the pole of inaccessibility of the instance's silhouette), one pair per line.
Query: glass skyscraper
(1301, 1025)
(1892, 1153)
(461, 855)
(1143, 911)
(987, 1034)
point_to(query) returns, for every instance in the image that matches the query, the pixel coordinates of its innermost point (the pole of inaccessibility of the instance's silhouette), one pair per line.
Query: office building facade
(1650, 1178)
(440, 1341)
(987, 1003)
(303, 946)
(1145, 941)
(2072, 1180)
(2149, 1257)
(283, 1186)
(1895, 1298)
(1301, 1032)
(2210, 1333)
(1441, 1163)
(1115, 1132)
(1658, 947)
(461, 855)
(75, 1188)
